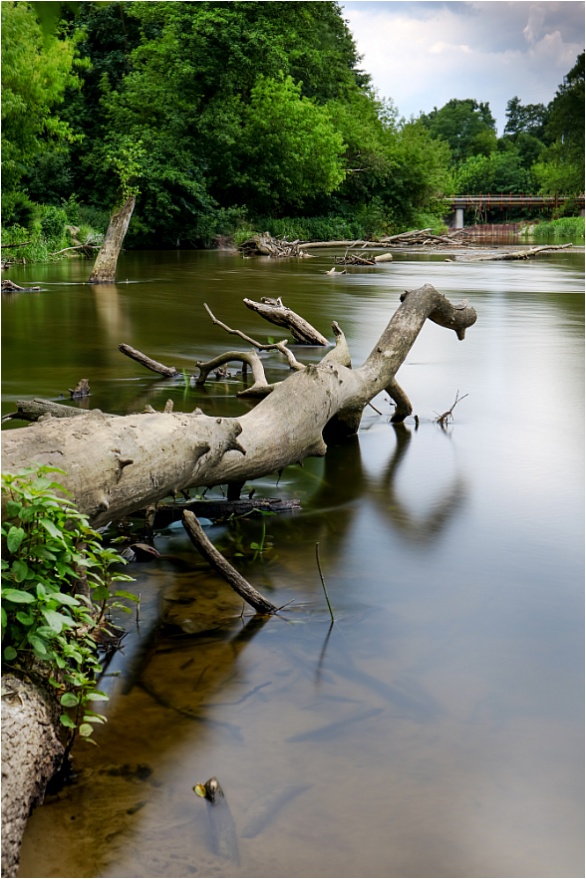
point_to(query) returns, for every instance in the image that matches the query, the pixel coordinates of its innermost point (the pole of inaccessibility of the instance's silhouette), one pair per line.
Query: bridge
(491, 202)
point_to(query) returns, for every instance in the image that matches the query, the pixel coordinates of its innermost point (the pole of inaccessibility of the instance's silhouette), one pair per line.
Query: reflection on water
(436, 728)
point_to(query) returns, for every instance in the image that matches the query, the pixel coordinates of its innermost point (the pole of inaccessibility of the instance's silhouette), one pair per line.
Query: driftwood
(223, 567)
(516, 254)
(82, 389)
(153, 365)
(115, 465)
(31, 754)
(118, 464)
(266, 245)
(358, 259)
(275, 312)
(278, 346)
(104, 271)
(216, 510)
(84, 248)
(10, 287)
(32, 410)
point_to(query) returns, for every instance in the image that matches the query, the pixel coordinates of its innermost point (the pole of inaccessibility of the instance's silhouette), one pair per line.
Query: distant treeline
(228, 117)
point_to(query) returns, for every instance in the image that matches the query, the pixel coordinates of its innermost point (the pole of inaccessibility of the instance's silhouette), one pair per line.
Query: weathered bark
(153, 365)
(276, 313)
(31, 754)
(32, 410)
(118, 464)
(104, 271)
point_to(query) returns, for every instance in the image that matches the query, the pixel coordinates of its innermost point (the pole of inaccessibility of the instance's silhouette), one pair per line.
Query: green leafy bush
(57, 583)
(566, 229)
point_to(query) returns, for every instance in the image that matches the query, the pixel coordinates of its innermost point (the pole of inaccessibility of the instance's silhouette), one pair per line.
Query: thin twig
(323, 582)
(443, 419)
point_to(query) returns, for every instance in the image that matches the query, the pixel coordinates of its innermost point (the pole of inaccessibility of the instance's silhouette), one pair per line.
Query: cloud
(422, 54)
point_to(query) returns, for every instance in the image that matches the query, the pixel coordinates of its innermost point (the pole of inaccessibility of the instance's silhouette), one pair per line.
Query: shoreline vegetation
(264, 120)
(21, 247)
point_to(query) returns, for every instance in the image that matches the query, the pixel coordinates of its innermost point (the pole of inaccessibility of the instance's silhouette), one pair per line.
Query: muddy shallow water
(436, 729)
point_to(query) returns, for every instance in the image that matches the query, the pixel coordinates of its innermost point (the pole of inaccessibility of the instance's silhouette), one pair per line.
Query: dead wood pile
(266, 245)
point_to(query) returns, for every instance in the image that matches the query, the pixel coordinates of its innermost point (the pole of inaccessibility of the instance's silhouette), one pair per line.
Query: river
(436, 728)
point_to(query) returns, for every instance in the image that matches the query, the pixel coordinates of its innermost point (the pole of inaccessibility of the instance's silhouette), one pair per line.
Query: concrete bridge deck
(494, 201)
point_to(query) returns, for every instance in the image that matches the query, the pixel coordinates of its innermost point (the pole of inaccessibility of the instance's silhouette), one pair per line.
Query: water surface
(436, 728)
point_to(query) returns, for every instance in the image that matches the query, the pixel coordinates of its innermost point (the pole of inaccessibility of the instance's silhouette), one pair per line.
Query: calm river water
(436, 729)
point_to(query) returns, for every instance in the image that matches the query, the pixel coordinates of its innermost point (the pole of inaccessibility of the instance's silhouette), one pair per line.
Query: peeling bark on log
(104, 271)
(282, 316)
(118, 464)
(31, 754)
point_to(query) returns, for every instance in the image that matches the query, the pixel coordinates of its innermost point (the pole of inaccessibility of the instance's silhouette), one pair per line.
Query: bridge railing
(508, 199)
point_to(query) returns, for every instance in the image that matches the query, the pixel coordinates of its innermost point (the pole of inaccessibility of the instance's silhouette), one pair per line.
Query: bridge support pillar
(456, 219)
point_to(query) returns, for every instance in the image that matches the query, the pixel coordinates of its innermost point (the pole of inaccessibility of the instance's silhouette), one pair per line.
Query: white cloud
(422, 54)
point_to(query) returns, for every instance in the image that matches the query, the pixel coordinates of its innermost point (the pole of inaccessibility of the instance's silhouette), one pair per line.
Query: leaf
(67, 721)
(41, 552)
(10, 653)
(38, 645)
(14, 538)
(97, 696)
(69, 700)
(62, 598)
(86, 730)
(27, 619)
(122, 594)
(18, 596)
(19, 570)
(57, 620)
(13, 508)
(52, 529)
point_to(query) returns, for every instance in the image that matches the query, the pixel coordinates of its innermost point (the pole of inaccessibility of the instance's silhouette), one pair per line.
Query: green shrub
(566, 229)
(57, 583)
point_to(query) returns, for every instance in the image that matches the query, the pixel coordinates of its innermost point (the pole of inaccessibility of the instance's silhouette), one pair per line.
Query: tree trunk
(31, 754)
(104, 271)
(115, 465)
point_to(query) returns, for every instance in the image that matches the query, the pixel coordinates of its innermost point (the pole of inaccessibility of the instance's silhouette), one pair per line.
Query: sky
(422, 54)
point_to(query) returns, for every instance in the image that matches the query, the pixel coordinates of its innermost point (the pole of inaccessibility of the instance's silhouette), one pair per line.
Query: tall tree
(466, 125)
(562, 169)
(36, 70)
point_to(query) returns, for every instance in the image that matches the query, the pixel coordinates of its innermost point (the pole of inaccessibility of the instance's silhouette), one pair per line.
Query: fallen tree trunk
(118, 464)
(31, 753)
(515, 254)
(104, 271)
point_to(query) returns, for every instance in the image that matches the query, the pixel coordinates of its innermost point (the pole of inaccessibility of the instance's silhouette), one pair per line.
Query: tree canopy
(219, 115)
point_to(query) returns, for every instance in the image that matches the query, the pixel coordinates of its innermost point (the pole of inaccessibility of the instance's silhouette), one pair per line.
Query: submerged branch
(223, 567)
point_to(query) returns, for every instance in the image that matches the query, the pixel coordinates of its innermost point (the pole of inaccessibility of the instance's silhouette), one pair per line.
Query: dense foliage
(227, 116)
(57, 582)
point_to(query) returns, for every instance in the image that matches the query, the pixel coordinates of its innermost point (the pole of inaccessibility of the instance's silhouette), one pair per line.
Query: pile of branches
(360, 259)
(266, 245)
(425, 238)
